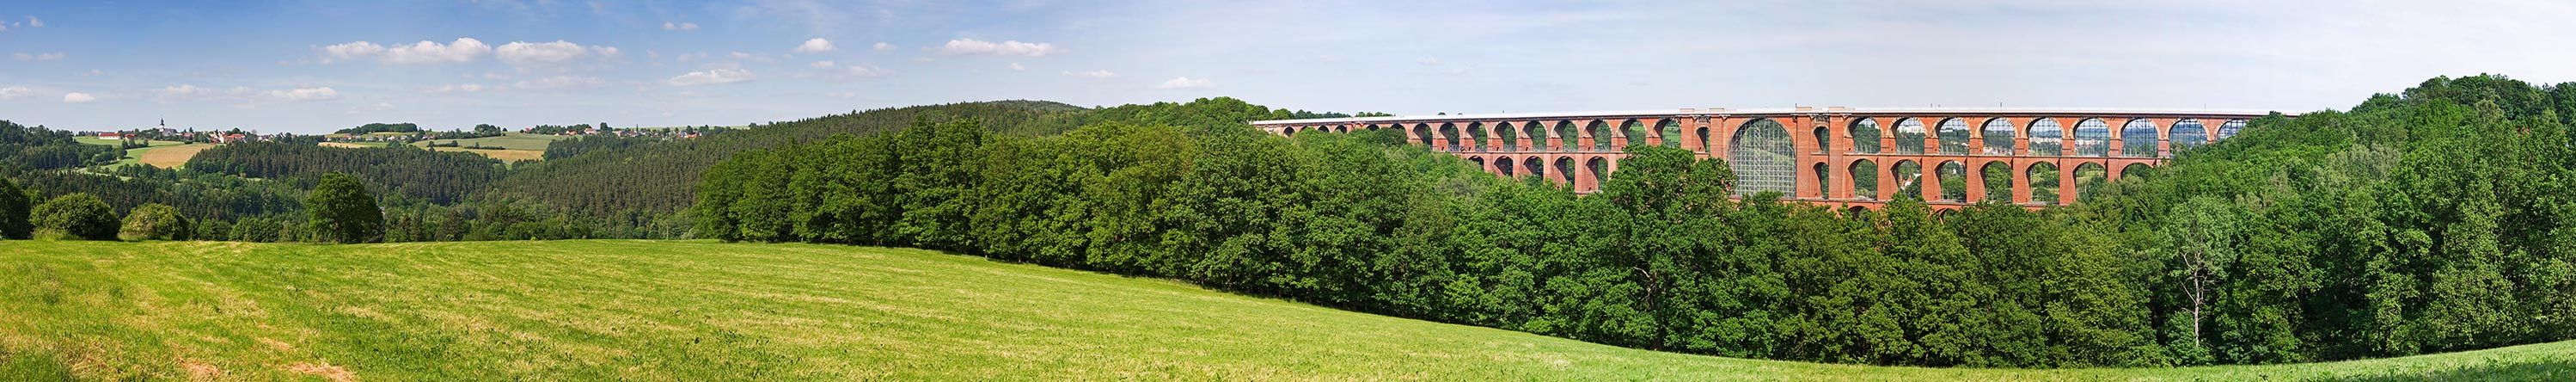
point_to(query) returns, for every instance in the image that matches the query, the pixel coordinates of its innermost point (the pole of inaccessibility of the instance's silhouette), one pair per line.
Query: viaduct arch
(1837, 156)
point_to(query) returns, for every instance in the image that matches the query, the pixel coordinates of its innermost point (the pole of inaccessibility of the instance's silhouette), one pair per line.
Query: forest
(2431, 220)
(381, 128)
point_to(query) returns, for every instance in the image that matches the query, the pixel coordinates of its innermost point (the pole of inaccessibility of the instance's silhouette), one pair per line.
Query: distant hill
(38, 148)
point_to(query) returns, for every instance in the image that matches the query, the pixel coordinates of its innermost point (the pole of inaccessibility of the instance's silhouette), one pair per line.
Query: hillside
(664, 310)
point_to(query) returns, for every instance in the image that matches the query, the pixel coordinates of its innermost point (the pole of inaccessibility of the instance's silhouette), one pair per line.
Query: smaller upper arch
(1998, 134)
(1866, 136)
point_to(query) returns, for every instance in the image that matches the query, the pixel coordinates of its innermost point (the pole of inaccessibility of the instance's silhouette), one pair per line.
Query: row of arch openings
(2091, 137)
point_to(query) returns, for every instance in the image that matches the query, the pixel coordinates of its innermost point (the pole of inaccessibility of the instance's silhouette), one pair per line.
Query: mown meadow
(698, 310)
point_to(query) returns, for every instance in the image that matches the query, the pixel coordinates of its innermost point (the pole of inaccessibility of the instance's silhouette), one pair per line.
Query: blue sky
(311, 66)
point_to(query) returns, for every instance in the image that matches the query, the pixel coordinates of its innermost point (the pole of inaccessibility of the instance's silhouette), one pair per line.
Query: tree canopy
(16, 205)
(343, 211)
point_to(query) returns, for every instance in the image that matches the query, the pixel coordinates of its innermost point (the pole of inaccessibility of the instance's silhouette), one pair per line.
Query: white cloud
(680, 26)
(1186, 83)
(1016, 67)
(244, 96)
(968, 46)
(752, 57)
(864, 71)
(562, 82)
(814, 46)
(711, 76)
(1091, 74)
(424, 52)
(607, 51)
(1428, 61)
(305, 94)
(883, 46)
(543, 53)
(39, 56)
(79, 98)
(15, 92)
(350, 51)
(185, 92)
(33, 22)
(852, 71)
(455, 88)
(686, 57)
(379, 106)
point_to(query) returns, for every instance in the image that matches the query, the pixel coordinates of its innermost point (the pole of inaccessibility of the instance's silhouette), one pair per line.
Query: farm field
(515, 146)
(163, 154)
(699, 310)
(505, 155)
(512, 141)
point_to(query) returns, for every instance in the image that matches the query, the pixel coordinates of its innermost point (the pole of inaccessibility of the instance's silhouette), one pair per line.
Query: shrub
(156, 222)
(77, 216)
(257, 230)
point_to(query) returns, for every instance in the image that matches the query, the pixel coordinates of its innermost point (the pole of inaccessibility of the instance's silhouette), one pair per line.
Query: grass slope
(686, 311)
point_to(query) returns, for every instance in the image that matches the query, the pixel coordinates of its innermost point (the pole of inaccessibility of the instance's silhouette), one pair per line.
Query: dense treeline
(644, 188)
(39, 148)
(568, 148)
(440, 177)
(197, 195)
(1661, 259)
(405, 127)
(2434, 220)
(2437, 219)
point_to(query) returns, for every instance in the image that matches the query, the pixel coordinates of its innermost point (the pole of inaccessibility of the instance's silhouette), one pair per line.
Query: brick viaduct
(1842, 157)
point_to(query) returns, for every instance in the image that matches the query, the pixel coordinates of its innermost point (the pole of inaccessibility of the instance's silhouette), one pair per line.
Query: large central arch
(1764, 158)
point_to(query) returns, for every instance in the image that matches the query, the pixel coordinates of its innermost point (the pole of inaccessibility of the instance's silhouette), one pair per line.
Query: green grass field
(512, 141)
(694, 310)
